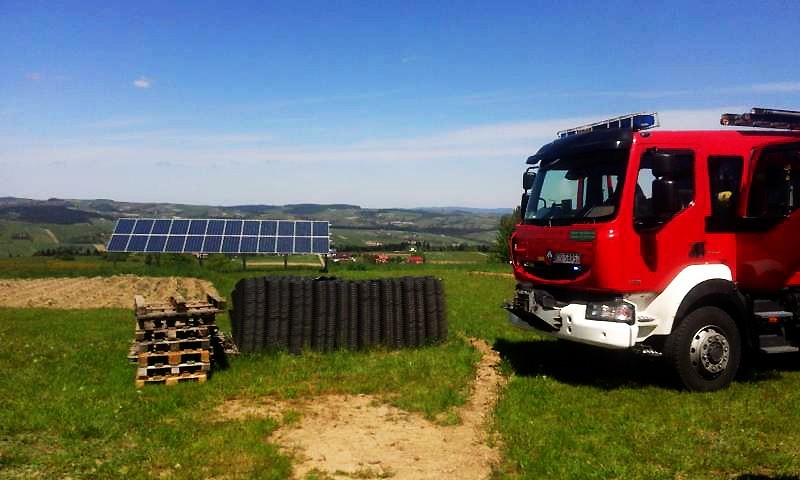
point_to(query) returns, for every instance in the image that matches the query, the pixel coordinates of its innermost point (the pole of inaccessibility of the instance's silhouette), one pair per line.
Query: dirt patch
(491, 274)
(358, 436)
(52, 236)
(97, 292)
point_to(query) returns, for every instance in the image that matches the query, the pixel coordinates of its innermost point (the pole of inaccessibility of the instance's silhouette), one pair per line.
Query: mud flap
(521, 318)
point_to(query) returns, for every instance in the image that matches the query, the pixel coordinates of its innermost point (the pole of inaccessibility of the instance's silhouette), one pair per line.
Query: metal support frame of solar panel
(266, 237)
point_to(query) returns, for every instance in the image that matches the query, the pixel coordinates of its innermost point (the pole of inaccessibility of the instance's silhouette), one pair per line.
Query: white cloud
(473, 166)
(481, 144)
(33, 76)
(143, 82)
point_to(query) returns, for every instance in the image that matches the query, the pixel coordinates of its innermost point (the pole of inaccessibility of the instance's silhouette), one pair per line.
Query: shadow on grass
(578, 364)
(763, 367)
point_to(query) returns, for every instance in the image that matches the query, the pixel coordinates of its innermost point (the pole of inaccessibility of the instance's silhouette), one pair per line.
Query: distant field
(349, 237)
(458, 257)
(23, 239)
(70, 407)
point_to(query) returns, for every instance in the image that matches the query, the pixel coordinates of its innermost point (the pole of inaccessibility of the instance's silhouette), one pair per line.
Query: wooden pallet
(172, 370)
(173, 345)
(177, 305)
(174, 358)
(175, 321)
(173, 379)
(175, 333)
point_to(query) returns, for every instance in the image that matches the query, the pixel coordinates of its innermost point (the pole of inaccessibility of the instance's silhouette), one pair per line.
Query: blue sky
(382, 104)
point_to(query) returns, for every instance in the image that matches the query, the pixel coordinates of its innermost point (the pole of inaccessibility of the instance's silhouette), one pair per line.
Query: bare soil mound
(358, 436)
(97, 292)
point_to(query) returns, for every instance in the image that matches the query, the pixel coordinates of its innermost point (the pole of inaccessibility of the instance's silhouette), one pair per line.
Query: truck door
(767, 254)
(668, 224)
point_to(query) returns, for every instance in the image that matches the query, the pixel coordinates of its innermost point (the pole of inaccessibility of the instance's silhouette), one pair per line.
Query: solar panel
(281, 237)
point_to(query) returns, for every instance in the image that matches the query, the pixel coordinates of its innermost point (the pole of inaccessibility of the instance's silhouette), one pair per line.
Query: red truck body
(622, 259)
(626, 233)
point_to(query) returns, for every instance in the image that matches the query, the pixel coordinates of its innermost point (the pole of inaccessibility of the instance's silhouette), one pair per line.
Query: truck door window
(775, 189)
(724, 179)
(677, 174)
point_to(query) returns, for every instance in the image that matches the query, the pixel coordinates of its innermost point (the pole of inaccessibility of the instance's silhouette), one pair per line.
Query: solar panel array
(220, 236)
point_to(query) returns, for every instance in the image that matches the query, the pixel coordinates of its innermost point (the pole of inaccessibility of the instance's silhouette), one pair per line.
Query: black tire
(329, 288)
(387, 313)
(705, 349)
(375, 311)
(352, 323)
(342, 314)
(260, 314)
(273, 314)
(284, 296)
(318, 324)
(306, 312)
(249, 316)
(364, 315)
(295, 317)
(397, 313)
(409, 313)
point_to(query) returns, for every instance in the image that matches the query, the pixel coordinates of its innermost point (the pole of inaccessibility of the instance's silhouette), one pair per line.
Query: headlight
(614, 311)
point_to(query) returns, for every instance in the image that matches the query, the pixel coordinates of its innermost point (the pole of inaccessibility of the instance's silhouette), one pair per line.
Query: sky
(379, 104)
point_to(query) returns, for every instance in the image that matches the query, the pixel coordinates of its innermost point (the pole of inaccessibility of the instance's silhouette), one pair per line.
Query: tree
(504, 230)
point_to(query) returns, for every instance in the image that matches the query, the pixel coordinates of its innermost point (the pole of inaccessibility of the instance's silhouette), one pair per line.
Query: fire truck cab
(671, 243)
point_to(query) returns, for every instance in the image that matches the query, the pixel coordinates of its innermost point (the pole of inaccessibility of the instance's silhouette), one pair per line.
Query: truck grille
(555, 271)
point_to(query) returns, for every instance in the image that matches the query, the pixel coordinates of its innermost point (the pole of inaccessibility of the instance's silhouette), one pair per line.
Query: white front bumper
(575, 327)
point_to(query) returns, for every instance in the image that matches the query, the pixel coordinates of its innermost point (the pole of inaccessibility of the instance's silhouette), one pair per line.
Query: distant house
(415, 260)
(343, 257)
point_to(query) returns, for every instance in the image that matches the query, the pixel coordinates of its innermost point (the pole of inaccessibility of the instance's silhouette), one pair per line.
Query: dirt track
(96, 292)
(358, 436)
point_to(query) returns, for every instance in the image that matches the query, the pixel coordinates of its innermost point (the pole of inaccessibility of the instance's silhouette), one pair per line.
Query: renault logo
(549, 257)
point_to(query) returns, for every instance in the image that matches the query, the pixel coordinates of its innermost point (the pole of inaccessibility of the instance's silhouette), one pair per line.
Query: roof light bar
(763, 118)
(633, 121)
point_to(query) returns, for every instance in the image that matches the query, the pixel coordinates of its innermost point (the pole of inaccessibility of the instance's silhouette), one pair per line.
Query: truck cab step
(775, 344)
(780, 349)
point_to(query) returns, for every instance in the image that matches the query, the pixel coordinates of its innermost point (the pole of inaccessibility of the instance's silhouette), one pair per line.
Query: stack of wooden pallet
(175, 340)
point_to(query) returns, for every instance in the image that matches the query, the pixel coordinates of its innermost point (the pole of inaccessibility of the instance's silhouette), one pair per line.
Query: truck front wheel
(705, 349)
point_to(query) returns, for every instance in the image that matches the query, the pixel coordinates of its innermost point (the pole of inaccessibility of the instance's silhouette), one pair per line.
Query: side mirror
(523, 204)
(527, 179)
(666, 199)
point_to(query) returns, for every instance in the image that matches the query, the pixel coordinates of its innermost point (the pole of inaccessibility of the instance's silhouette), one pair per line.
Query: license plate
(569, 258)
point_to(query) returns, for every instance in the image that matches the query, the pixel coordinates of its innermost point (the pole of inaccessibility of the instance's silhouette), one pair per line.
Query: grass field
(69, 407)
(23, 239)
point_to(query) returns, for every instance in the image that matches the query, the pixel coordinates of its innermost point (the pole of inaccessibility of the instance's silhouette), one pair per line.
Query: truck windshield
(583, 189)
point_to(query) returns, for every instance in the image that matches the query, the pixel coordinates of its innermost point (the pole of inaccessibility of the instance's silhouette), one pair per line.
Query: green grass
(360, 237)
(83, 235)
(466, 257)
(69, 407)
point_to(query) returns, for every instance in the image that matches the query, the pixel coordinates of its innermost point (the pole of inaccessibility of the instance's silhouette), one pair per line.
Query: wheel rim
(709, 351)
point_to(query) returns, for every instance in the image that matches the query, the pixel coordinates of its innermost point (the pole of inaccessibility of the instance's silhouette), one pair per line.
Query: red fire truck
(671, 243)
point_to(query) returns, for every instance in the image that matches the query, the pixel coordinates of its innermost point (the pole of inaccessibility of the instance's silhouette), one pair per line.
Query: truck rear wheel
(705, 349)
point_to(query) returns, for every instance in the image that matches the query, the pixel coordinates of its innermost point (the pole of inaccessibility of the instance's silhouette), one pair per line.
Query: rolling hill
(27, 225)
